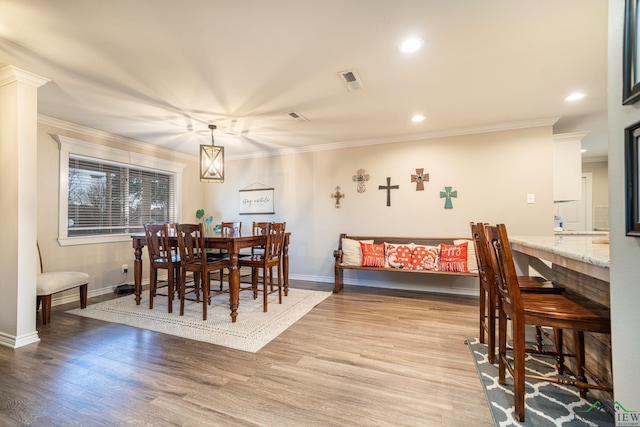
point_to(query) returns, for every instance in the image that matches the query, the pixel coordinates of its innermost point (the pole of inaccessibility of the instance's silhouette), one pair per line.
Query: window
(110, 194)
(111, 198)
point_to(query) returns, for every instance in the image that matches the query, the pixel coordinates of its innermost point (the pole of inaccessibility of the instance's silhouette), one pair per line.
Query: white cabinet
(567, 166)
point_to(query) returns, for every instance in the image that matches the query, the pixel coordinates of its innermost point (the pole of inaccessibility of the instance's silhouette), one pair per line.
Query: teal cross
(448, 194)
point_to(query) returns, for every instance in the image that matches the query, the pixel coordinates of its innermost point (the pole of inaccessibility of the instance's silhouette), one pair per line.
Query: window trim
(69, 146)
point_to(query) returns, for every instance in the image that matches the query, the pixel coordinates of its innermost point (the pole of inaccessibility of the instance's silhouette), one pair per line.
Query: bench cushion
(351, 252)
(57, 281)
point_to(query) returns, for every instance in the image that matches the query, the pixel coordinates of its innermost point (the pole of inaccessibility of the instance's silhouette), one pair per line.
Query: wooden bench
(427, 241)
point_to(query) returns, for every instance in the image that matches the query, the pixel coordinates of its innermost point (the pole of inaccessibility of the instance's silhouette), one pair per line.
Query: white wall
(625, 251)
(492, 172)
(102, 262)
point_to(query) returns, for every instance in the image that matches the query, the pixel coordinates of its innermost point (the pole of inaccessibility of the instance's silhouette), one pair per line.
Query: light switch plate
(531, 198)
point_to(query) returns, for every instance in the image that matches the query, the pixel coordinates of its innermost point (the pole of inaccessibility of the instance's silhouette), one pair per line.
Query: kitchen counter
(574, 247)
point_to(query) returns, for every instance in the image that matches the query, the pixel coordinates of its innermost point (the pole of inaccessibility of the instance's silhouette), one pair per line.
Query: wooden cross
(338, 195)
(448, 194)
(388, 187)
(419, 178)
(360, 177)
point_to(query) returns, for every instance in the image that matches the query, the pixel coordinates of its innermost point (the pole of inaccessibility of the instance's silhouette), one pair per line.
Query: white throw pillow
(351, 252)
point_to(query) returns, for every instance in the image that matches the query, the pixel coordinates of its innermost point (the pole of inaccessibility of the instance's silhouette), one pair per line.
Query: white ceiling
(160, 71)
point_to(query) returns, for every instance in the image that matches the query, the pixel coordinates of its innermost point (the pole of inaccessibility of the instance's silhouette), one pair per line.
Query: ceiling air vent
(351, 79)
(297, 117)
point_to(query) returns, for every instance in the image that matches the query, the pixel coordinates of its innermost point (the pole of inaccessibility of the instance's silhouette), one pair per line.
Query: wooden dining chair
(488, 299)
(226, 227)
(558, 311)
(162, 256)
(265, 263)
(52, 282)
(193, 257)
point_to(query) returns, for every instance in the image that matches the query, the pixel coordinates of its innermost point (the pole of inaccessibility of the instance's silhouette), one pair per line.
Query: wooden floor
(366, 357)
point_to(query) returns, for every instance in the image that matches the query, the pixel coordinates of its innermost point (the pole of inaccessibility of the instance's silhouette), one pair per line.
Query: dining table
(232, 242)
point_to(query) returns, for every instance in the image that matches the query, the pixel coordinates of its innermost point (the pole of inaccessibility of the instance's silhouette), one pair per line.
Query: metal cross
(388, 187)
(419, 178)
(448, 194)
(338, 195)
(360, 177)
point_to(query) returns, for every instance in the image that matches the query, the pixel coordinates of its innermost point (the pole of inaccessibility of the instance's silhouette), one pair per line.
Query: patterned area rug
(546, 404)
(252, 330)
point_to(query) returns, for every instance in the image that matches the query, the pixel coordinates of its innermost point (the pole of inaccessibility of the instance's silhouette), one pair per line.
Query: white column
(18, 205)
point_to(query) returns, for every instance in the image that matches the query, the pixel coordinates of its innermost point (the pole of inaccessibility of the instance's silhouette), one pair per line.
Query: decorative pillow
(424, 257)
(453, 257)
(472, 260)
(351, 252)
(398, 255)
(372, 254)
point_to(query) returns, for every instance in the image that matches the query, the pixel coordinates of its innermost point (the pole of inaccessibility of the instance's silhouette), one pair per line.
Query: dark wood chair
(162, 256)
(266, 261)
(558, 311)
(52, 282)
(193, 257)
(488, 299)
(226, 227)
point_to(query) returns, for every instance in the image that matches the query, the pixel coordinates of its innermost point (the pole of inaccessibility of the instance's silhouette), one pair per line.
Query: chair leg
(83, 296)
(153, 277)
(183, 289)
(491, 326)
(482, 312)
(578, 342)
(279, 284)
(502, 346)
(265, 293)
(46, 309)
(170, 291)
(254, 281)
(206, 287)
(518, 368)
(557, 334)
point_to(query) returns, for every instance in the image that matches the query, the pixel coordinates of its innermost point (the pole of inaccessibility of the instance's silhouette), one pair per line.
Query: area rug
(252, 330)
(546, 404)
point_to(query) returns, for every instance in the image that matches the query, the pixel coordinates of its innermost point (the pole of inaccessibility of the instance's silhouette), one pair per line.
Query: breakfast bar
(580, 263)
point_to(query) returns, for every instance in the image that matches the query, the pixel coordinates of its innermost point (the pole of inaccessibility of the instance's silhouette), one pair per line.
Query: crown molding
(129, 142)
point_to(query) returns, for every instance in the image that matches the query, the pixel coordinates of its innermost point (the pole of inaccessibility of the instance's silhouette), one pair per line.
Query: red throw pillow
(372, 254)
(425, 257)
(453, 258)
(398, 255)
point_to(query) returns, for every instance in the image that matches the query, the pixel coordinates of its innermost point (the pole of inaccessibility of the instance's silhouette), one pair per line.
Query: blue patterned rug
(546, 404)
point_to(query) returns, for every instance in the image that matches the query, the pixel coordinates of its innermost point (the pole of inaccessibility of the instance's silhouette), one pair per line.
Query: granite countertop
(579, 247)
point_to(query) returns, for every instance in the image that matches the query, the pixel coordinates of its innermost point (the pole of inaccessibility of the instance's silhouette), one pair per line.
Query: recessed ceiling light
(417, 118)
(575, 96)
(411, 45)
(583, 150)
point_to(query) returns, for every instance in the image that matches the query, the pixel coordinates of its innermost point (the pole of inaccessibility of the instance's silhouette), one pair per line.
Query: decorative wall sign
(388, 187)
(360, 177)
(448, 194)
(419, 178)
(338, 195)
(257, 201)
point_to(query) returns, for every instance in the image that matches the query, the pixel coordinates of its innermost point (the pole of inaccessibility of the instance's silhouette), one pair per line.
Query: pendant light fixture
(211, 161)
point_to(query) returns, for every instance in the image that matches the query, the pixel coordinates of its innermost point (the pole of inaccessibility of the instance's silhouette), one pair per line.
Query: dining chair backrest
(231, 228)
(159, 244)
(191, 242)
(259, 228)
(485, 271)
(275, 240)
(501, 259)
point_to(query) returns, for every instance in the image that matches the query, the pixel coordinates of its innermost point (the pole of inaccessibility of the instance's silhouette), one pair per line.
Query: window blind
(108, 198)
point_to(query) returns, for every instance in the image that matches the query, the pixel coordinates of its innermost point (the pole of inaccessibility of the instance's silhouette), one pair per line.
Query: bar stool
(488, 299)
(558, 311)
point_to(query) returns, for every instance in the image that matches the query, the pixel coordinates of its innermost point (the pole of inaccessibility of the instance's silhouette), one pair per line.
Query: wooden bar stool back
(488, 300)
(558, 311)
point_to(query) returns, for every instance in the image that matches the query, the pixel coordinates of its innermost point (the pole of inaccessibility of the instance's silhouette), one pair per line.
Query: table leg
(137, 274)
(285, 266)
(234, 285)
